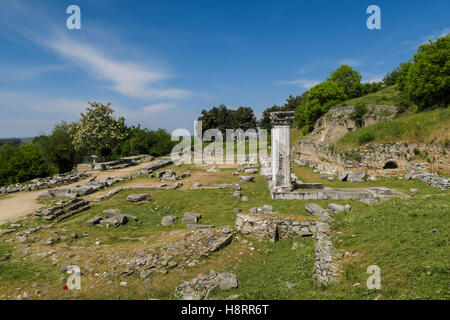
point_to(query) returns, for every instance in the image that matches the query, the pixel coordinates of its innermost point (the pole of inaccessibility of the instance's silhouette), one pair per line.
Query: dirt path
(18, 204)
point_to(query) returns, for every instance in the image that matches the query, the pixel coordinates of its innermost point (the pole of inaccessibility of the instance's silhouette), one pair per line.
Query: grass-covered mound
(389, 96)
(424, 127)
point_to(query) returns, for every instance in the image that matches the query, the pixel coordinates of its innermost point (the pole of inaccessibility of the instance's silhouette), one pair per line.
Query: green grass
(398, 237)
(308, 175)
(424, 127)
(296, 136)
(389, 96)
(395, 235)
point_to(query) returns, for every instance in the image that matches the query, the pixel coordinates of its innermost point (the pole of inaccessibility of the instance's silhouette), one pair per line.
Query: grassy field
(396, 235)
(388, 96)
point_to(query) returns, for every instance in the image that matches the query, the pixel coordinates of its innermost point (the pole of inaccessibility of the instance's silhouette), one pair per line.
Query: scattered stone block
(138, 197)
(314, 209)
(356, 176)
(199, 226)
(191, 217)
(228, 281)
(93, 221)
(168, 220)
(369, 201)
(334, 207)
(247, 178)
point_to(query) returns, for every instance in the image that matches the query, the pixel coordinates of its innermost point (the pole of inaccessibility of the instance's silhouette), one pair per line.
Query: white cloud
(94, 54)
(132, 79)
(303, 83)
(141, 114)
(368, 77)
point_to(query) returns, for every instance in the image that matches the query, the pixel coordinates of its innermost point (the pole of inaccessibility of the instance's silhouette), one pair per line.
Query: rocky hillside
(379, 141)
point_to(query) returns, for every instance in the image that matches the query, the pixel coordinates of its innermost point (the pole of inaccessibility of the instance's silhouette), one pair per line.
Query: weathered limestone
(138, 197)
(191, 217)
(273, 227)
(44, 183)
(315, 209)
(168, 220)
(325, 267)
(63, 210)
(154, 166)
(200, 287)
(281, 161)
(247, 178)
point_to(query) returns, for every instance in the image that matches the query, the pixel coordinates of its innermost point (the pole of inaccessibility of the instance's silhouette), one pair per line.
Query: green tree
(98, 130)
(349, 79)
(391, 78)
(22, 163)
(425, 80)
(266, 122)
(58, 148)
(319, 100)
(222, 118)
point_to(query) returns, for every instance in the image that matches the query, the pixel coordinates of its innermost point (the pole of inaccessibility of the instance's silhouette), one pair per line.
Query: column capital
(282, 118)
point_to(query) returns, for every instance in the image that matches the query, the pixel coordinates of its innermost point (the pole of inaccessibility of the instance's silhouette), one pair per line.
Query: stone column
(281, 160)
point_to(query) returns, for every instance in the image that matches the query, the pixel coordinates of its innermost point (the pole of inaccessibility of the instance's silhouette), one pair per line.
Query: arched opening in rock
(390, 165)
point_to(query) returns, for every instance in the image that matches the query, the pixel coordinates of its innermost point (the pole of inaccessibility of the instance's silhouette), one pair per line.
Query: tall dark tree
(58, 148)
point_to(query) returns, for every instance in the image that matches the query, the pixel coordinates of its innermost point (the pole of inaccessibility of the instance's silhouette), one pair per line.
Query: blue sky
(161, 62)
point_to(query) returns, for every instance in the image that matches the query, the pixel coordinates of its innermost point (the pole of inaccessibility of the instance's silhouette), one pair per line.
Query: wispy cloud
(368, 77)
(302, 83)
(129, 78)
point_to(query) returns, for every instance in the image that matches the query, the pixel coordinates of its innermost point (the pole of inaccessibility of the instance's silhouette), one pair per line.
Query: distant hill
(15, 141)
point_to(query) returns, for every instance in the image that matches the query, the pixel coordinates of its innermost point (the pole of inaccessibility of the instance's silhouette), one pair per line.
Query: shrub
(366, 137)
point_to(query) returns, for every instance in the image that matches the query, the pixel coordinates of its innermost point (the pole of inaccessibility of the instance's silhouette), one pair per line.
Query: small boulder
(138, 197)
(168, 220)
(191, 217)
(334, 207)
(227, 281)
(94, 220)
(247, 178)
(314, 209)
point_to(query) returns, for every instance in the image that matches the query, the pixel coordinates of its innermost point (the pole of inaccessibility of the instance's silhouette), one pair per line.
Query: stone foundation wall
(273, 227)
(374, 159)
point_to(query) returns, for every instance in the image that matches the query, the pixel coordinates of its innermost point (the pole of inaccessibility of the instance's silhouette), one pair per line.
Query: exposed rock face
(45, 183)
(377, 159)
(337, 122)
(272, 226)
